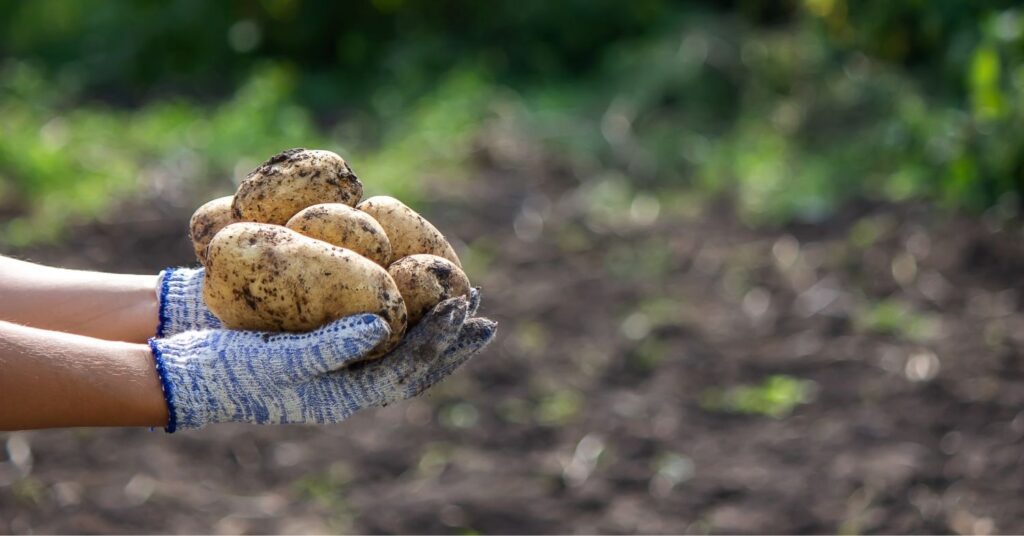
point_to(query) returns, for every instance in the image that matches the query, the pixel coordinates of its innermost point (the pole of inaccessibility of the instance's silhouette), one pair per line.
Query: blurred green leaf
(891, 317)
(984, 81)
(559, 407)
(776, 396)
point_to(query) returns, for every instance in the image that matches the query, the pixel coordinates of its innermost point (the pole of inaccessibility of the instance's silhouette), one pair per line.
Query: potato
(344, 227)
(426, 280)
(293, 180)
(270, 278)
(409, 233)
(207, 220)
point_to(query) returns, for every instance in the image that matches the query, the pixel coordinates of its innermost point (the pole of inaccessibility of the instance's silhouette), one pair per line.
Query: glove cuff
(180, 295)
(166, 386)
(186, 409)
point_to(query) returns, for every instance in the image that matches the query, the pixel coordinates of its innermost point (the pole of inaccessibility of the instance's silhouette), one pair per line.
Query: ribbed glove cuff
(180, 294)
(185, 391)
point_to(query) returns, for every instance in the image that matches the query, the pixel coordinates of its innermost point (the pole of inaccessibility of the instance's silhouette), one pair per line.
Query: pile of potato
(297, 247)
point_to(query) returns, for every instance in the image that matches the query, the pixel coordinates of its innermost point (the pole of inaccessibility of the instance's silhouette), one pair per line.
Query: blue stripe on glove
(321, 376)
(180, 296)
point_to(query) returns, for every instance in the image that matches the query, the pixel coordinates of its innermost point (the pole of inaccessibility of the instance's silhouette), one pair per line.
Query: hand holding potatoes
(321, 377)
(296, 247)
(270, 278)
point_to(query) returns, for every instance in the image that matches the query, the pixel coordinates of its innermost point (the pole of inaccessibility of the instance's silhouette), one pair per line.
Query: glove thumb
(328, 348)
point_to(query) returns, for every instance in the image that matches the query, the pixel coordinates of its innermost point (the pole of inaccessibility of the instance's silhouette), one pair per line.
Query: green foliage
(432, 141)
(796, 120)
(59, 163)
(381, 54)
(792, 108)
(776, 396)
(559, 407)
(890, 317)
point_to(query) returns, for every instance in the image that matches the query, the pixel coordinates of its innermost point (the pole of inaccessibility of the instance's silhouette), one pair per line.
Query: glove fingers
(381, 380)
(474, 302)
(435, 332)
(306, 355)
(474, 336)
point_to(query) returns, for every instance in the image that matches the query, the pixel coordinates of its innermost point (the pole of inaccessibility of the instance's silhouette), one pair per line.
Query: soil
(592, 411)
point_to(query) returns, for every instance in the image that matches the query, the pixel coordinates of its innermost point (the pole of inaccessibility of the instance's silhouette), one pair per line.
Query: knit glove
(179, 292)
(316, 377)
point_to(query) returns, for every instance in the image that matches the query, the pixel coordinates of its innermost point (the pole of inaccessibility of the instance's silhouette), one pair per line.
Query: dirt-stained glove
(179, 293)
(316, 377)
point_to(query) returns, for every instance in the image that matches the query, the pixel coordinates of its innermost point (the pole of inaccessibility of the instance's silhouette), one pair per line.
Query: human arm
(114, 307)
(51, 379)
(124, 307)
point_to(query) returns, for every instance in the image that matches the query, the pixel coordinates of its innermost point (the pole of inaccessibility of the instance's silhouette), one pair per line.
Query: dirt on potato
(293, 180)
(269, 278)
(343, 226)
(209, 218)
(408, 232)
(425, 281)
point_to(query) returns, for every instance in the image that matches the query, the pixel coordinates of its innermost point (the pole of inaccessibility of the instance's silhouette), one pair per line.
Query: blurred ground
(668, 360)
(667, 371)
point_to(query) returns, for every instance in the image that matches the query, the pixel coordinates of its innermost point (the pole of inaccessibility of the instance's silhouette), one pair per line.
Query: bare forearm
(50, 379)
(107, 306)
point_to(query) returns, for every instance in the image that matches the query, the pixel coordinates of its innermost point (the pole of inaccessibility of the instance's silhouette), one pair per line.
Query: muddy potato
(409, 233)
(293, 180)
(346, 227)
(207, 220)
(426, 280)
(270, 278)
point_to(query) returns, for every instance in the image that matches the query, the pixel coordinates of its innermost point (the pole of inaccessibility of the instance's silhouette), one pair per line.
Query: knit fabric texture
(316, 377)
(180, 295)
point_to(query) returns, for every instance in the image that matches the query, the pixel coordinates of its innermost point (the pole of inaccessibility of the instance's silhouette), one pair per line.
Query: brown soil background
(585, 416)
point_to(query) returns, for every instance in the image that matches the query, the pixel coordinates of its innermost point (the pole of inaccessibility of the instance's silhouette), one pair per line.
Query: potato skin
(426, 280)
(213, 216)
(345, 227)
(270, 278)
(409, 233)
(293, 180)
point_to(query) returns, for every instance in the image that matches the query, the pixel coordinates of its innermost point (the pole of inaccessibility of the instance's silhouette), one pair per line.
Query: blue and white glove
(179, 292)
(316, 377)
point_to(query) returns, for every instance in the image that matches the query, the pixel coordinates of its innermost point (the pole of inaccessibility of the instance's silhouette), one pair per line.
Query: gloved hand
(180, 295)
(316, 377)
